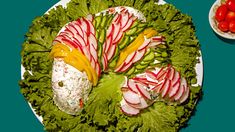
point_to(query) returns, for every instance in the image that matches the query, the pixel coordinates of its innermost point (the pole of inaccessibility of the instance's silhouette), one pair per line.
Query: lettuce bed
(101, 112)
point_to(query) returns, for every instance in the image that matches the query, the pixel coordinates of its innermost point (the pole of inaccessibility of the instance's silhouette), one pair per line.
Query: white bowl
(213, 22)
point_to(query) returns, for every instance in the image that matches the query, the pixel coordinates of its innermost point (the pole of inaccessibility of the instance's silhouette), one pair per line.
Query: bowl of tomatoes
(222, 18)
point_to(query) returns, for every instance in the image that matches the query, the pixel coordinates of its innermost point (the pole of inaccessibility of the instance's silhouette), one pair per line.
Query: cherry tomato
(231, 5)
(230, 16)
(221, 13)
(232, 26)
(223, 26)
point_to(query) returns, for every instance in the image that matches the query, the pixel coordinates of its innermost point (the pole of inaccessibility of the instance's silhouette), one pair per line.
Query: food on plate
(224, 15)
(111, 66)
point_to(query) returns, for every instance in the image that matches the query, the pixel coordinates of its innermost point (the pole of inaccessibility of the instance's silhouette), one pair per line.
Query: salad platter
(112, 66)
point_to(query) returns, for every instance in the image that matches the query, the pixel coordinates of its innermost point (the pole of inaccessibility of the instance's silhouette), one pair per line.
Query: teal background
(214, 113)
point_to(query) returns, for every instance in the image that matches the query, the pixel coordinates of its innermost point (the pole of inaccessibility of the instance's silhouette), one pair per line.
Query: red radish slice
(70, 42)
(157, 87)
(80, 40)
(87, 53)
(166, 88)
(130, 57)
(118, 20)
(105, 63)
(120, 67)
(176, 77)
(98, 69)
(116, 17)
(139, 55)
(172, 74)
(111, 52)
(143, 91)
(79, 29)
(179, 93)
(116, 30)
(93, 63)
(131, 97)
(142, 81)
(153, 44)
(127, 109)
(89, 28)
(131, 85)
(144, 45)
(143, 104)
(125, 19)
(174, 89)
(185, 95)
(110, 30)
(157, 39)
(93, 52)
(126, 67)
(162, 86)
(107, 44)
(128, 25)
(118, 38)
(90, 17)
(151, 75)
(93, 40)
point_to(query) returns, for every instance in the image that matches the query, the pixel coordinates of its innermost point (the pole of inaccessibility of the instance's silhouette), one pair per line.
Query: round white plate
(213, 24)
(199, 66)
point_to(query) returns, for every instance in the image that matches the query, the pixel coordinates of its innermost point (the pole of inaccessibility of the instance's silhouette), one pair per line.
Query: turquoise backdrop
(214, 113)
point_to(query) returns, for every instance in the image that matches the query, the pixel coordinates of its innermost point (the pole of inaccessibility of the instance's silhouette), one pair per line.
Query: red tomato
(230, 16)
(231, 5)
(221, 13)
(232, 26)
(223, 26)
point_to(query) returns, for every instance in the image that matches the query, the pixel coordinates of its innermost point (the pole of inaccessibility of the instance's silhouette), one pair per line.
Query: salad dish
(100, 65)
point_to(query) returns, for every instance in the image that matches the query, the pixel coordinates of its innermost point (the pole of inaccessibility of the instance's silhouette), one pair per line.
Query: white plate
(199, 66)
(213, 23)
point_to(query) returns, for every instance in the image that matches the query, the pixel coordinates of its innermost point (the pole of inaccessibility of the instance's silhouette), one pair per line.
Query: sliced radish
(80, 40)
(93, 41)
(162, 86)
(143, 91)
(142, 81)
(110, 30)
(90, 29)
(157, 39)
(127, 109)
(139, 55)
(180, 92)
(185, 95)
(151, 74)
(128, 25)
(107, 44)
(98, 69)
(130, 57)
(93, 52)
(111, 52)
(171, 75)
(142, 105)
(157, 87)
(153, 44)
(166, 88)
(131, 97)
(176, 78)
(144, 45)
(93, 64)
(116, 30)
(116, 17)
(131, 85)
(174, 89)
(118, 38)
(105, 63)
(120, 67)
(126, 67)
(125, 19)
(90, 17)
(79, 29)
